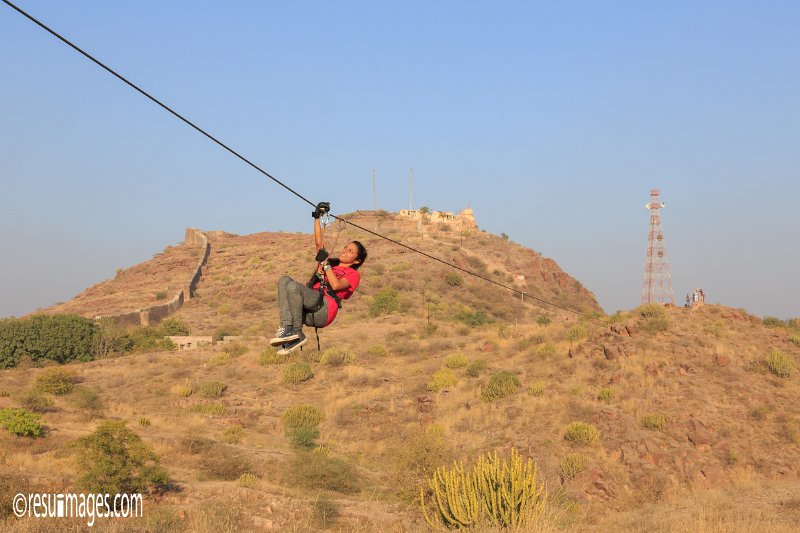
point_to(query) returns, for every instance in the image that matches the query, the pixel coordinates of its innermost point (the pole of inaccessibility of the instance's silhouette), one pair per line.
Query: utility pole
(410, 189)
(657, 285)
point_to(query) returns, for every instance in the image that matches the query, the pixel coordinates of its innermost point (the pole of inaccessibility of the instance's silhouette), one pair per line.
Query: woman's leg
(293, 299)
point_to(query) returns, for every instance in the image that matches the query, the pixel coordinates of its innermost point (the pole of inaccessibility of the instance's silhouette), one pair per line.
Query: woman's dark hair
(362, 255)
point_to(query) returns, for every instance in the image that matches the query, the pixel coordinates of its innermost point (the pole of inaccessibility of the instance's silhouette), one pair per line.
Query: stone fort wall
(156, 313)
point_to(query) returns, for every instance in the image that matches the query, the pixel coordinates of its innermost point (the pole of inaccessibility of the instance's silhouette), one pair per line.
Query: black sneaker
(295, 344)
(284, 335)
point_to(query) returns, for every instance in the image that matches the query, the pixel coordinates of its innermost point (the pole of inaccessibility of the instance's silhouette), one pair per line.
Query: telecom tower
(657, 286)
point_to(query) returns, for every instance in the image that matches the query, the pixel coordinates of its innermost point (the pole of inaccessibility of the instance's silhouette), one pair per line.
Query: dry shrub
(270, 356)
(224, 464)
(249, 481)
(537, 388)
(571, 465)
(337, 357)
(780, 364)
(316, 471)
(654, 421)
(475, 368)
(576, 333)
(35, 401)
(606, 394)
(651, 311)
(456, 360)
(296, 373)
(420, 455)
(211, 389)
(184, 390)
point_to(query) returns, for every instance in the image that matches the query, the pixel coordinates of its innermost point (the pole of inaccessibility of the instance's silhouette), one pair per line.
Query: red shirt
(351, 275)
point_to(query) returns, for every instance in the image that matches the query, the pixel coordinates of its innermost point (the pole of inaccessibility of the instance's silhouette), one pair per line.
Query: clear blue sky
(552, 119)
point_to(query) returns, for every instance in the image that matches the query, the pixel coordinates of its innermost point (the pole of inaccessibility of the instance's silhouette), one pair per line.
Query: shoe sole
(287, 351)
(279, 341)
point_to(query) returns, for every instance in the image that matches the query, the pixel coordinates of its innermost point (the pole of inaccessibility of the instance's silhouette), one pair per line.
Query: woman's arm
(337, 284)
(318, 235)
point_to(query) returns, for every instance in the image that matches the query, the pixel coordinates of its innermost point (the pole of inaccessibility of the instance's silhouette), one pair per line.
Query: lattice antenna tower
(657, 286)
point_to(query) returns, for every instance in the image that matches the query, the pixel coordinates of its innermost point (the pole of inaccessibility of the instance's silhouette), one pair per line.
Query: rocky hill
(238, 286)
(687, 416)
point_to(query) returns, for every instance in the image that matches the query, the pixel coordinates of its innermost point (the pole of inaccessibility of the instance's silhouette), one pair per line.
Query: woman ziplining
(317, 303)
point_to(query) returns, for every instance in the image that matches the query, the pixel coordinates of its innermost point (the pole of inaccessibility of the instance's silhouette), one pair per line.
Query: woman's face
(349, 254)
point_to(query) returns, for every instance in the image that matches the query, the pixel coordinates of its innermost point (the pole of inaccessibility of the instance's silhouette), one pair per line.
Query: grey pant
(294, 300)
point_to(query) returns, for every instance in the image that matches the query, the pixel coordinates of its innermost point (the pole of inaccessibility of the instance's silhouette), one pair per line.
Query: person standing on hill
(317, 303)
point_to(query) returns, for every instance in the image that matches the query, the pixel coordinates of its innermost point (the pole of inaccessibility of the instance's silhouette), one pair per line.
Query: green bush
(297, 373)
(385, 302)
(606, 394)
(442, 379)
(453, 279)
(113, 459)
(475, 368)
(500, 385)
(172, 326)
(12, 341)
(572, 464)
(478, 318)
(780, 364)
(21, 422)
(543, 320)
(211, 389)
(304, 437)
(456, 360)
(55, 381)
(536, 388)
(582, 433)
(146, 339)
(303, 415)
(654, 421)
(576, 333)
(60, 338)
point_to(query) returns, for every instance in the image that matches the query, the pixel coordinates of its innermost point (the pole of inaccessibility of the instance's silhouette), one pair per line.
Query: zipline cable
(157, 101)
(264, 172)
(471, 273)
